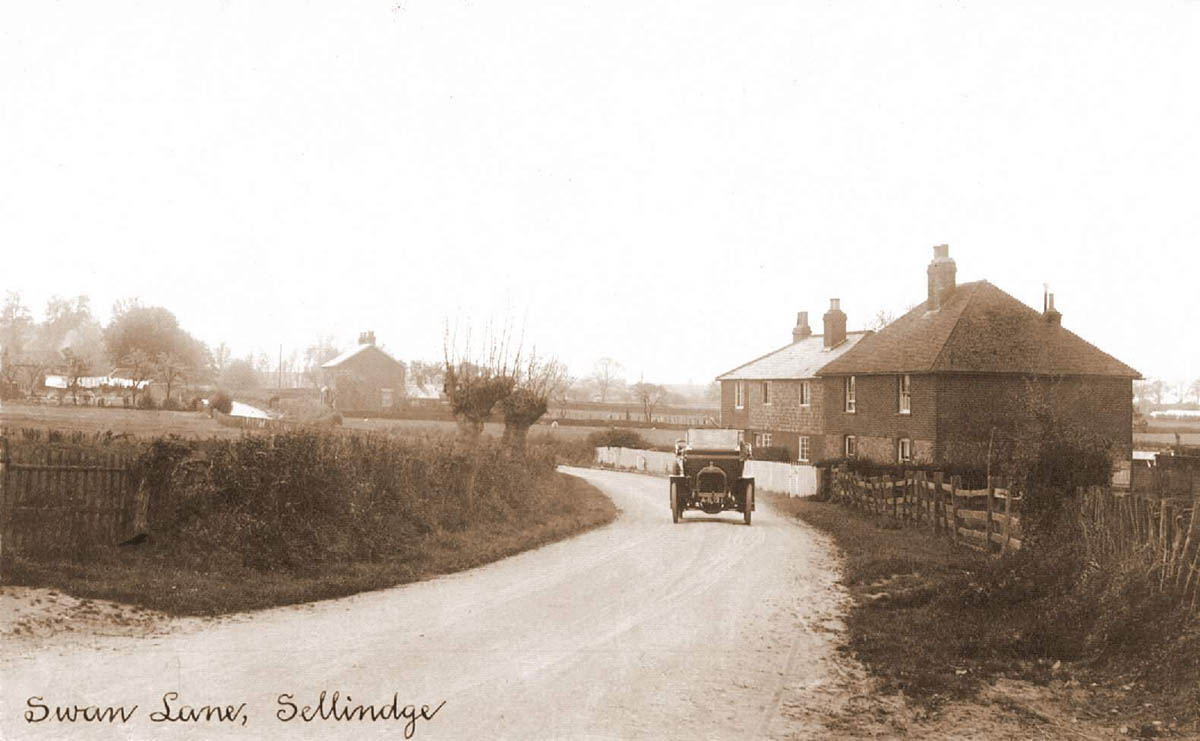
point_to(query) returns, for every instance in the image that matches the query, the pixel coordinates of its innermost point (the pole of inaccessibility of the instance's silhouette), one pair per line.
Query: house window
(762, 440)
(803, 451)
(805, 394)
(850, 446)
(385, 398)
(904, 450)
(739, 395)
(766, 392)
(850, 394)
(905, 386)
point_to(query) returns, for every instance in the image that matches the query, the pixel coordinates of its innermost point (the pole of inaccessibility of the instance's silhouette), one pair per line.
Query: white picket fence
(786, 478)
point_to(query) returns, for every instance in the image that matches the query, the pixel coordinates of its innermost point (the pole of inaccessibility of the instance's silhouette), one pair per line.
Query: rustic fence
(987, 519)
(61, 500)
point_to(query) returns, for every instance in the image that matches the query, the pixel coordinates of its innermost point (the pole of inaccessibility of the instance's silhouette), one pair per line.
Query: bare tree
(649, 395)
(882, 318)
(606, 374)
(534, 385)
(477, 379)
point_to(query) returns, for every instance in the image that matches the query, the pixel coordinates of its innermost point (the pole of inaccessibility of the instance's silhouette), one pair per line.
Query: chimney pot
(1052, 315)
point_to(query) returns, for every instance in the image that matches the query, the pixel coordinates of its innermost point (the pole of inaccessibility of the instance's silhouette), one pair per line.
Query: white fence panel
(785, 478)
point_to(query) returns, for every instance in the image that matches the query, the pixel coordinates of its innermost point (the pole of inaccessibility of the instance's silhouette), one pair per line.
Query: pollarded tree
(533, 387)
(475, 381)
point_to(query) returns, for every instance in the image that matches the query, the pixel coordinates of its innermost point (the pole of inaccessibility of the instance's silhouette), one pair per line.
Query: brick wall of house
(731, 417)
(876, 422)
(784, 418)
(971, 406)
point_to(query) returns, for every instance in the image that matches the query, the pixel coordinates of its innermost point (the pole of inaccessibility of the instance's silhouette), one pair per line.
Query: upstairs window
(805, 394)
(739, 395)
(766, 392)
(904, 450)
(850, 394)
(905, 401)
(850, 446)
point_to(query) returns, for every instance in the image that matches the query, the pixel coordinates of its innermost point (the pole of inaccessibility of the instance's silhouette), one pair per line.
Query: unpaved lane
(646, 629)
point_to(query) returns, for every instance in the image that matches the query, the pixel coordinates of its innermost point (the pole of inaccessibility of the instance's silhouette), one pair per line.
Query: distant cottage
(364, 380)
(943, 384)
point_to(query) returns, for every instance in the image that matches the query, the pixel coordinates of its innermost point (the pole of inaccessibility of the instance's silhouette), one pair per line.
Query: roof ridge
(760, 357)
(957, 321)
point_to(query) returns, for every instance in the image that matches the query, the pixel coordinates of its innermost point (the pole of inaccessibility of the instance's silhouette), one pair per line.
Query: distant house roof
(979, 329)
(798, 360)
(355, 352)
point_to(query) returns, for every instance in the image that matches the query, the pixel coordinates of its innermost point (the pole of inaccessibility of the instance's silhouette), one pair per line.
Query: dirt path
(642, 629)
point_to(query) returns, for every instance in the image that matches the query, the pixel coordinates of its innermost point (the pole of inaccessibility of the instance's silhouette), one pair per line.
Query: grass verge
(153, 576)
(936, 622)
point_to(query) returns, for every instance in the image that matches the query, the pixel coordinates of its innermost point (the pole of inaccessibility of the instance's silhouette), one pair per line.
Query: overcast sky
(666, 183)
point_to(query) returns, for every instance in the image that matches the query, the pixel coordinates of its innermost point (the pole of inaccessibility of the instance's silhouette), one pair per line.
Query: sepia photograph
(454, 369)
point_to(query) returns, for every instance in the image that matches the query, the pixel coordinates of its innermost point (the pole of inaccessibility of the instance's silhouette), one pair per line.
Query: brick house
(954, 379)
(777, 399)
(364, 380)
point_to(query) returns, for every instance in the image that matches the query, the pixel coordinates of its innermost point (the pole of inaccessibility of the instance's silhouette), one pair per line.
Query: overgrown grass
(262, 521)
(935, 620)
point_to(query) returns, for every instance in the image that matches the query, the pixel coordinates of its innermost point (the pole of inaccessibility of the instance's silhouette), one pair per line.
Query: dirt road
(642, 629)
(707, 628)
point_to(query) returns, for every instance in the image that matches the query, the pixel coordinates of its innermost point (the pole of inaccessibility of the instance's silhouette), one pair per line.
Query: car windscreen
(713, 439)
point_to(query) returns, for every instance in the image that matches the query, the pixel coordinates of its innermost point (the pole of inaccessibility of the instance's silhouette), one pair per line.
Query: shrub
(145, 401)
(221, 401)
(773, 453)
(617, 437)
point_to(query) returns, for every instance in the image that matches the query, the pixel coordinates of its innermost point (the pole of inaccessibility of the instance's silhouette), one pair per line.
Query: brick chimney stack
(1052, 315)
(366, 338)
(835, 324)
(801, 330)
(942, 273)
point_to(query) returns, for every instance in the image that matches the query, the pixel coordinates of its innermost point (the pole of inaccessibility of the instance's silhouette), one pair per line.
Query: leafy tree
(239, 375)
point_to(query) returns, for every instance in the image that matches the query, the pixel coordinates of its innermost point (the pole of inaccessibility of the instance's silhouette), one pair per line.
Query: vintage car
(708, 474)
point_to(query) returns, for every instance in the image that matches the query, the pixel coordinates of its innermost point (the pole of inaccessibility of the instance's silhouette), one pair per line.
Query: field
(143, 423)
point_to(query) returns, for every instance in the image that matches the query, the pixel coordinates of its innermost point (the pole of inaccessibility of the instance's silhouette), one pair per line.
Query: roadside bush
(221, 401)
(617, 437)
(145, 401)
(299, 501)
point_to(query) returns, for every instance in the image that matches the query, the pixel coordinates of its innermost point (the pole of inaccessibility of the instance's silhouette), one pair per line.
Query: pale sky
(666, 183)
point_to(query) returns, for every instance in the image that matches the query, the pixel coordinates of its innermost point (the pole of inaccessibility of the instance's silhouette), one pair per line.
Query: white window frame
(762, 439)
(904, 394)
(850, 391)
(739, 394)
(850, 446)
(803, 449)
(387, 398)
(805, 393)
(766, 392)
(904, 450)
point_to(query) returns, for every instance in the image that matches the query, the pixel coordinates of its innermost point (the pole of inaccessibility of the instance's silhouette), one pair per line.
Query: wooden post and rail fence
(987, 518)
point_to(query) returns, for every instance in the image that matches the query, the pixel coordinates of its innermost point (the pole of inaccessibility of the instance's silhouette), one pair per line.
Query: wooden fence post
(1008, 494)
(939, 501)
(954, 483)
(987, 530)
(4, 508)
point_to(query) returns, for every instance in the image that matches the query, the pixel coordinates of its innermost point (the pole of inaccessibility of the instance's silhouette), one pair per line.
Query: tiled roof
(979, 329)
(798, 360)
(353, 353)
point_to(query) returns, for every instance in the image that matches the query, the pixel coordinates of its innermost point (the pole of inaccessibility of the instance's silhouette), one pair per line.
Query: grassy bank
(936, 621)
(258, 522)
